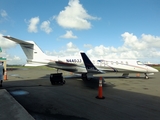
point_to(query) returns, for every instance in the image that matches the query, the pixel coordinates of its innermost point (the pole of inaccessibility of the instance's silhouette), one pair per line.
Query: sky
(104, 29)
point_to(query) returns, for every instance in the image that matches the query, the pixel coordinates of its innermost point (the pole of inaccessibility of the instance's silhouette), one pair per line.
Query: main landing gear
(84, 76)
(125, 75)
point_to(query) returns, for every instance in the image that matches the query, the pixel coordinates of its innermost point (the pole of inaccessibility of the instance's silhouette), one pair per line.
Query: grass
(32, 67)
(157, 67)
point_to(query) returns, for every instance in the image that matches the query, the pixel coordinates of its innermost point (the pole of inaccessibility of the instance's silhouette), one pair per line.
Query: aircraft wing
(65, 63)
(64, 66)
(89, 65)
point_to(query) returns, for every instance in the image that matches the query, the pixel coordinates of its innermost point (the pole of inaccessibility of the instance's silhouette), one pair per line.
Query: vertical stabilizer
(31, 50)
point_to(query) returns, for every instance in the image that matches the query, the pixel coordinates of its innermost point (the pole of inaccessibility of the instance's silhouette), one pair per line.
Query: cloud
(5, 43)
(3, 13)
(3, 16)
(87, 46)
(13, 59)
(33, 22)
(74, 16)
(33, 25)
(133, 42)
(69, 34)
(143, 43)
(152, 41)
(146, 48)
(45, 26)
(69, 50)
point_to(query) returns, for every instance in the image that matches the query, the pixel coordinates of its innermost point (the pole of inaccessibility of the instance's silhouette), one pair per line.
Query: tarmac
(10, 109)
(28, 94)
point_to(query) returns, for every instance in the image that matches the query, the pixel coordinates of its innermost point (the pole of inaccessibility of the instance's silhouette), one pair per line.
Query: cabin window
(126, 62)
(139, 63)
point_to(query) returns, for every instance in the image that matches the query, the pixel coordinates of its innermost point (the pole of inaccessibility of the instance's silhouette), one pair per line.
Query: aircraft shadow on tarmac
(117, 103)
(93, 83)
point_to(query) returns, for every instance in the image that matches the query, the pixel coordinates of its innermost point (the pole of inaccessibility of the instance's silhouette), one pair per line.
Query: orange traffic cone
(5, 75)
(100, 92)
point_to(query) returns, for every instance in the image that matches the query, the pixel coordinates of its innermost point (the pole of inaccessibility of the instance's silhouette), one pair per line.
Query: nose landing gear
(146, 76)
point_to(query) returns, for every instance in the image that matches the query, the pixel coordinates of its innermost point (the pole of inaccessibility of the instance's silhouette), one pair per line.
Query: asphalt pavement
(134, 98)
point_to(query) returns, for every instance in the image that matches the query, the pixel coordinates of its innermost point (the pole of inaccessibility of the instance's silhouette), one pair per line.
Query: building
(2, 59)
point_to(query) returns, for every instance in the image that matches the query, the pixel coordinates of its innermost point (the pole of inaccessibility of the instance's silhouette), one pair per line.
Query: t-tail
(31, 50)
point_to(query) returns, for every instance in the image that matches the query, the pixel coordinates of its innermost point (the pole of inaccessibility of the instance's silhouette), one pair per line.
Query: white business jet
(35, 57)
(123, 66)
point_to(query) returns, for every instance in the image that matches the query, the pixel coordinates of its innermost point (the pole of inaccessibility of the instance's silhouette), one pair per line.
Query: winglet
(89, 65)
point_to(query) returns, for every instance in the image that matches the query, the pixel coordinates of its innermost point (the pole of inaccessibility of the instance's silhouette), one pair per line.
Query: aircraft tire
(146, 77)
(64, 82)
(84, 77)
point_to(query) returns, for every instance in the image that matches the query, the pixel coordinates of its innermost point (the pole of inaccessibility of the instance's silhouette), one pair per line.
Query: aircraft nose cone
(156, 70)
(150, 69)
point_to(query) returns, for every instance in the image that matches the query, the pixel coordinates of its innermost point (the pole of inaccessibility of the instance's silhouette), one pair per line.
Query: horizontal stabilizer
(17, 40)
(31, 50)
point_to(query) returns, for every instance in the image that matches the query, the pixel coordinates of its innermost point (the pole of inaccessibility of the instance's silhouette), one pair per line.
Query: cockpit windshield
(139, 63)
